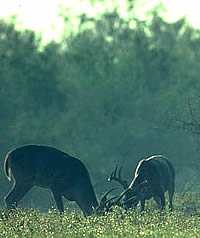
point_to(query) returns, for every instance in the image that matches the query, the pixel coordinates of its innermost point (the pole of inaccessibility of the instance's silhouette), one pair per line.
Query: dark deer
(51, 168)
(153, 177)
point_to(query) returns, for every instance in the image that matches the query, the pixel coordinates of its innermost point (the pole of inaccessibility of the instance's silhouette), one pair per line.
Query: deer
(48, 167)
(153, 177)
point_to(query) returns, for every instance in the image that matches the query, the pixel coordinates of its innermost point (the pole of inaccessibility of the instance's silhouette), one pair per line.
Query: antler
(104, 201)
(117, 202)
(117, 177)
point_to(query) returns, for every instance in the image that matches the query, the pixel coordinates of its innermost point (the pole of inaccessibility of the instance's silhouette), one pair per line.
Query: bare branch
(192, 125)
(191, 185)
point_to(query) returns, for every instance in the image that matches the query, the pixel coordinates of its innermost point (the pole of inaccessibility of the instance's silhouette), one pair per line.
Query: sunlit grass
(184, 221)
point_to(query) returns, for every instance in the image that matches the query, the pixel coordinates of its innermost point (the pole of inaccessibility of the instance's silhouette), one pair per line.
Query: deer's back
(46, 165)
(157, 170)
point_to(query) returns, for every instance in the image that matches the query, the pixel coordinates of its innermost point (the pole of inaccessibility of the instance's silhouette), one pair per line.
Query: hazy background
(103, 91)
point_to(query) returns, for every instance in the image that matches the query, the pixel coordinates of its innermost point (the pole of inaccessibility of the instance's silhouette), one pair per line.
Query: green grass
(184, 221)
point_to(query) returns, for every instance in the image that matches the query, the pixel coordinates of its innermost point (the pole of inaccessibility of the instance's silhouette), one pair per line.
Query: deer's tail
(7, 167)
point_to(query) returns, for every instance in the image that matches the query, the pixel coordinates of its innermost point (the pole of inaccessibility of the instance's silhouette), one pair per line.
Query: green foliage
(103, 94)
(118, 223)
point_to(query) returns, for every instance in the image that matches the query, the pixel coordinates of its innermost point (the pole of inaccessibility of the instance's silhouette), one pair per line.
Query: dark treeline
(103, 94)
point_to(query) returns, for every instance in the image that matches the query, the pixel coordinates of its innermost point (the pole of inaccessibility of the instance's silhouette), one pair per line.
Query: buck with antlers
(51, 168)
(153, 177)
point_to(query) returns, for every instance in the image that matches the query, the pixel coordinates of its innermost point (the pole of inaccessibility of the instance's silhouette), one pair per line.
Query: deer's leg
(58, 199)
(17, 192)
(157, 200)
(162, 199)
(171, 194)
(142, 205)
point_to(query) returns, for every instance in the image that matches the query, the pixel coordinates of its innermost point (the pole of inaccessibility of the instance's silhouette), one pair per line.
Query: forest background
(106, 93)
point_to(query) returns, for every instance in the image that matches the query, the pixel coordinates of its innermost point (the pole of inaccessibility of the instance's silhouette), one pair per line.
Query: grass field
(184, 221)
